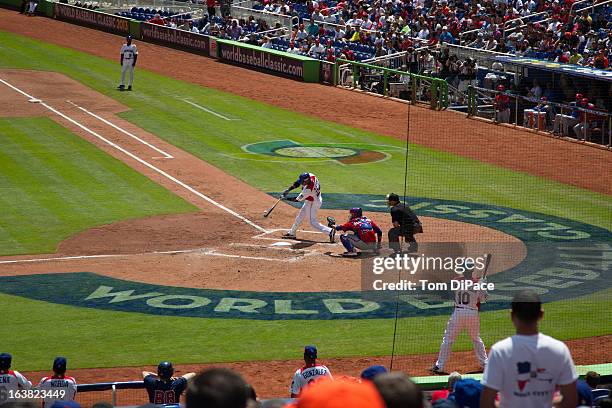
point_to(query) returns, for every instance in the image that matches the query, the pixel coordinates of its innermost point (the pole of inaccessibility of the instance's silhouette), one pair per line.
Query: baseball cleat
(129, 88)
(436, 370)
(289, 236)
(350, 254)
(332, 235)
(121, 87)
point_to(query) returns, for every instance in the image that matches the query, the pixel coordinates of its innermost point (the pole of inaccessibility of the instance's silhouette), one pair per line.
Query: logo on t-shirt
(524, 373)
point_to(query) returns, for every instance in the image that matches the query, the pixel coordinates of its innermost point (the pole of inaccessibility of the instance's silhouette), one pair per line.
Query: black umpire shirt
(406, 218)
(164, 392)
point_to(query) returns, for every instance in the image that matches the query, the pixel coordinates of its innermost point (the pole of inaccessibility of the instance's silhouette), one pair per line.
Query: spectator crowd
(528, 369)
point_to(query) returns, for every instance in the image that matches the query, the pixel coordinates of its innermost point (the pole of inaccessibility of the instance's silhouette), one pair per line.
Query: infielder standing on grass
(311, 196)
(465, 316)
(129, 55)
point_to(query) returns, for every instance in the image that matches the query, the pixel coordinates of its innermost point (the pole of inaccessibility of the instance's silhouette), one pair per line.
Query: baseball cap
(310, 352)
(392, 197)
(340, 394)
(59, 365)
(5, 361)
(372, 371)
(467, 393)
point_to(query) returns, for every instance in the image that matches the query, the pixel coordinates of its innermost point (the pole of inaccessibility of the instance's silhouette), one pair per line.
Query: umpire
(405, 224)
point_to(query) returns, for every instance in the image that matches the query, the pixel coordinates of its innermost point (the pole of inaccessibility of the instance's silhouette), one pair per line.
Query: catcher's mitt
(331, 221)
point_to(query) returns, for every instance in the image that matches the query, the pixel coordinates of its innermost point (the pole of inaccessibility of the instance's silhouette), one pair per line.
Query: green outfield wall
(268, 60)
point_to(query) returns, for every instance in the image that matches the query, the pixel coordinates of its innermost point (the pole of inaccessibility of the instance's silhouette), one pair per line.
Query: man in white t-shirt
(527, 368)
(309, 373)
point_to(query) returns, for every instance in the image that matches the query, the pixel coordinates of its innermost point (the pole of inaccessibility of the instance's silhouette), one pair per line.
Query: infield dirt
(138, 239)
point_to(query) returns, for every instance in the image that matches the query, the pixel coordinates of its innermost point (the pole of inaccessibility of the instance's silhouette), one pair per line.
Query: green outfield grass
(158, 107)
(92, 338)
(55, 184)
(37, 331)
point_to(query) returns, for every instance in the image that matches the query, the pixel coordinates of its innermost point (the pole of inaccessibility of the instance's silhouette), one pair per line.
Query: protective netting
(540, 206)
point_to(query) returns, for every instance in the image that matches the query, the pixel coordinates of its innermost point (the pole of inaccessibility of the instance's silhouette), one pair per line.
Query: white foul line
(207, 252)
(207, 110)
(125, 132)
(145, 163)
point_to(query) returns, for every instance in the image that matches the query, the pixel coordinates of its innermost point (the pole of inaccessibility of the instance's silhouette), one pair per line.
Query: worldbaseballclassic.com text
(411, 264)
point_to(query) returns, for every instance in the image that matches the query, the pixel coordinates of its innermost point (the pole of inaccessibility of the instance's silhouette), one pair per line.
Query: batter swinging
(311, 196)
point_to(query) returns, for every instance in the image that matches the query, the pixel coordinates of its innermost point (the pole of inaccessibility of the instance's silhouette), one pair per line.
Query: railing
(116, 394)
(509, 26)
(482, 57)
(384, 81)
(123, 5)
(560, 120)
(244, 10)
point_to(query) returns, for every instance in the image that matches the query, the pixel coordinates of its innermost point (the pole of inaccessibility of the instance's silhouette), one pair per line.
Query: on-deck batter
(465, 316)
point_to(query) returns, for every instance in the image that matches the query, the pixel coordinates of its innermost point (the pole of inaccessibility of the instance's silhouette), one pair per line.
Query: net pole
(399, 270)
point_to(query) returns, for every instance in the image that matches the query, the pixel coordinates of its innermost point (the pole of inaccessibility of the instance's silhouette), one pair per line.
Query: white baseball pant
(460, 319)
(309, 209)
(562, 123)
(127, 67)
(503, 116)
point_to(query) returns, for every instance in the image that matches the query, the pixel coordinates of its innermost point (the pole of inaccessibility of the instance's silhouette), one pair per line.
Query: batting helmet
(303, 178)
(165, 370)
(356, 212)
(59, 365)
(310, 352)
(5, 361)
(128, 38)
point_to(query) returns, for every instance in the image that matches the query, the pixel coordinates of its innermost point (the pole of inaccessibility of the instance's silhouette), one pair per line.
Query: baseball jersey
(469, 299)
(56, 383)
(525, 370)
(164, 392)
(305, 375)
(311, 191)
(128, 52)
(363, 227)
(12, 381)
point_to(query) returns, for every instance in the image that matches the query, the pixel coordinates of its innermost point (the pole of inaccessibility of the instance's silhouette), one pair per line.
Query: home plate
(282, 244)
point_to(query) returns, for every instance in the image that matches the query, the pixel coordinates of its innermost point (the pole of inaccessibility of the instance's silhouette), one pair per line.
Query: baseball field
(131, 227)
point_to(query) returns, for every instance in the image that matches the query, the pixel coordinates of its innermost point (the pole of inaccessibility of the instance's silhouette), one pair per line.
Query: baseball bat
(486, 265)
(272, 208)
